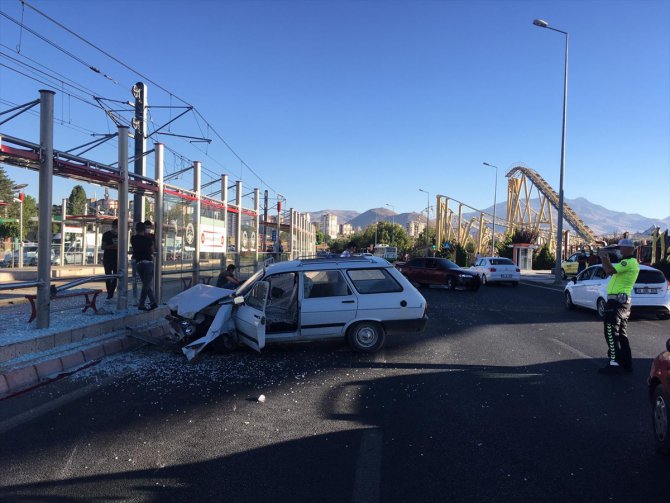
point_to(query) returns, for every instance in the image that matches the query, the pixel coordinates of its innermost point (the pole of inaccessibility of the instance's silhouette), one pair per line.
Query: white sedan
(651, 292)
(496, 269)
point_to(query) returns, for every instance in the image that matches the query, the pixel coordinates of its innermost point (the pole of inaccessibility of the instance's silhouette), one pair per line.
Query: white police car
(651, 292)
(362, 299)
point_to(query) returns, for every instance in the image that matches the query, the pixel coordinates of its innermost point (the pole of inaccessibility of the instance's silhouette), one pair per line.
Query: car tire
(366, 337)
(600, 307)
(450, 284)
(484, 280)
(568, 300)
(515, 283)
(563, 275)
(659, 417)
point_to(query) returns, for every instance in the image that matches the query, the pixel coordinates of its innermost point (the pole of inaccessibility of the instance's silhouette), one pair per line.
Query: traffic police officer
(617, 310)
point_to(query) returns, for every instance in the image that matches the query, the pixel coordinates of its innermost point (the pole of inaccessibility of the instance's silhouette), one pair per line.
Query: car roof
(324, 263)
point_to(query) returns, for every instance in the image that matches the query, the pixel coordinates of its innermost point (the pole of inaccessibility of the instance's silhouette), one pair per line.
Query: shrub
(544, 259)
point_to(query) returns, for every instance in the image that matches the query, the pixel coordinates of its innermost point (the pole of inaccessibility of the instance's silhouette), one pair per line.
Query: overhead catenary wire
(148, 79)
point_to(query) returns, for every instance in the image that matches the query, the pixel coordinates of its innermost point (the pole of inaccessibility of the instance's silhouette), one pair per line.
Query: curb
(25, 378)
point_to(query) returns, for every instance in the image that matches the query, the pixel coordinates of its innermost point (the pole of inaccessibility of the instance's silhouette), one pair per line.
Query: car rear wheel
(600, 306)
(366, 337)
(659, 417)
(568, 300)
(484, 280)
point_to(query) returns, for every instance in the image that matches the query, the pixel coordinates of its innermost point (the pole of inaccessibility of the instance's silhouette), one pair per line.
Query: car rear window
(646, 276)
(373, 281)
(501, 261)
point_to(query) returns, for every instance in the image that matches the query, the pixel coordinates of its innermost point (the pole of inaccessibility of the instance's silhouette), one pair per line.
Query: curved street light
(559, 233)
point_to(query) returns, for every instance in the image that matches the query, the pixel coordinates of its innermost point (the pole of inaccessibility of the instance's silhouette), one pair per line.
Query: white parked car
(360, 299)
(497, 269)
(651, 292)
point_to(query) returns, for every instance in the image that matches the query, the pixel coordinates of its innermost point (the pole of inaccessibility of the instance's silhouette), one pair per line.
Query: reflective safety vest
(625, 277)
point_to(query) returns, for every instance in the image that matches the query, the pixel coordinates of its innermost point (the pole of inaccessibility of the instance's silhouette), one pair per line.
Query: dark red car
(426, 271)
(659, 394)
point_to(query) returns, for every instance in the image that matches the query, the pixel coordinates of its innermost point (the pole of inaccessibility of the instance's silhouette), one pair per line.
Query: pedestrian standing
(143, 253)
(581, 261)
(110, 259)
(617, 309)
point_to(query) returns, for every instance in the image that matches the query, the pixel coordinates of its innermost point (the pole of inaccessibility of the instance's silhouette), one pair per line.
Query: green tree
(77, 201)
(320, 237)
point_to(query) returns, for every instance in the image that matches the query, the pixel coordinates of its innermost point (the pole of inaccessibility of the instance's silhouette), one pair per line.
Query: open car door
(250, 317)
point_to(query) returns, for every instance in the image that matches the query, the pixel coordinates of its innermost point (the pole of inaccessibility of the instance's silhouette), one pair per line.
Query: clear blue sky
(358, 104)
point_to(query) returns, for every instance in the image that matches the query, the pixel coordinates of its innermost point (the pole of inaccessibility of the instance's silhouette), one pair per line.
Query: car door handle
(348, 302)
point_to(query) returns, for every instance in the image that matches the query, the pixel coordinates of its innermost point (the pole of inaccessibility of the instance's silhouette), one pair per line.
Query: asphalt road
(499, 400)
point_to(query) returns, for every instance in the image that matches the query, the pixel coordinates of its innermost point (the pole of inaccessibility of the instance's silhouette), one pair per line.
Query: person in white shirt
(351, 248)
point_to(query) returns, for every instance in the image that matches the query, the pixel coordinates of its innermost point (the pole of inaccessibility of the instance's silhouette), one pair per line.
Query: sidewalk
(30, 356)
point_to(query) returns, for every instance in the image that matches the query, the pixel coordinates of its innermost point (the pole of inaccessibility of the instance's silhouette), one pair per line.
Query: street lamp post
(19, 200)
(392, 223)
(559, 233)
(427, 218)
(495, 200)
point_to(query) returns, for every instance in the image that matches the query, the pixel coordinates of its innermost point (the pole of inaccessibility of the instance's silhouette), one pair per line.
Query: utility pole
(140, 126)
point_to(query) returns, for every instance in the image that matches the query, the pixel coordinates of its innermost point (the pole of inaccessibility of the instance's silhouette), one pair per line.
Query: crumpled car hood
(190, 302)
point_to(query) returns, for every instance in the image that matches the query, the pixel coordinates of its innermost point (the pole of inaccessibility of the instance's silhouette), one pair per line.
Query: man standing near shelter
(617, 310)
(110, 247)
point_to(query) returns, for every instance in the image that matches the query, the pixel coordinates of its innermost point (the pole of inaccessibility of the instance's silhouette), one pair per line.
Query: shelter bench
(90, 295)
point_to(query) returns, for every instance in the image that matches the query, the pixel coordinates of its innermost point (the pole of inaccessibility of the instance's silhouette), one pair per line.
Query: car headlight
(186, 327)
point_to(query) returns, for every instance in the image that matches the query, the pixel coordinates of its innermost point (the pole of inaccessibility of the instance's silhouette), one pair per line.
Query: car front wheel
(568, 301)
(659, 417)
(600, 305)
(366, 337)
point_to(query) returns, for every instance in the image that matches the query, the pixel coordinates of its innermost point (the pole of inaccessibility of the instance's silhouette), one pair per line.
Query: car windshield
(448, 264)
(246, 286)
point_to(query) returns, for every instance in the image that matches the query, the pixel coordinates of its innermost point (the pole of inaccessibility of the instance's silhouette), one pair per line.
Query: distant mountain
(369, 217)
(601, 220)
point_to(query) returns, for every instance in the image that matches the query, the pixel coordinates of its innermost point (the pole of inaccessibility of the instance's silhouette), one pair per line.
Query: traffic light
(433, 243)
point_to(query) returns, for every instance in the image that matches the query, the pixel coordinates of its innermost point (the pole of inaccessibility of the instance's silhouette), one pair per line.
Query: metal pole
(21, 234)
(265, 219)
(122, 252)
(45, 194)
(559, 233)
(238, 231)
(158, 217)
(257, 221)
(63, 216)
(139, 91)
(493, 226)
(196, 223)
(226, 227)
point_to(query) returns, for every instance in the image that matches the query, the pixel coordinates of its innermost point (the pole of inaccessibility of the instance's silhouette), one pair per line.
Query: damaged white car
(362, 299)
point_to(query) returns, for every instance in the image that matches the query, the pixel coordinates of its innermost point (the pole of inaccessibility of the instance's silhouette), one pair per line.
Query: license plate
(506, 275)
(645, 290)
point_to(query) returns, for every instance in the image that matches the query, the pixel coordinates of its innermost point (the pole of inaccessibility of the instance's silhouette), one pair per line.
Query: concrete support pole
(122, 252)
(45, 194)
(158, 217)
(196, 223)
(257, 225)
(226, 228)
(266, 198)
(291, 233)
(62, 229)
(238, 231)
